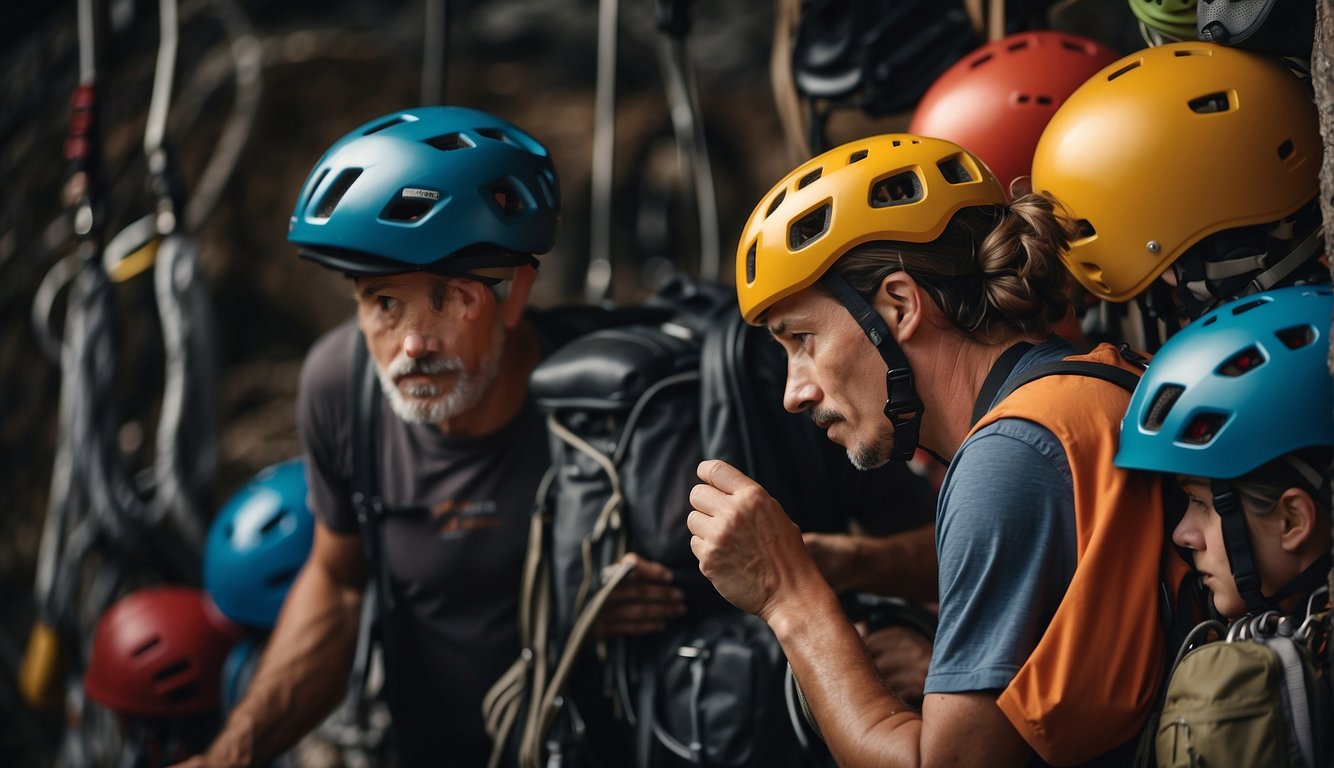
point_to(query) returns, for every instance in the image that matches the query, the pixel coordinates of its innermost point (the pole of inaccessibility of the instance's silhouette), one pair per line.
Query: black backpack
(631, 411)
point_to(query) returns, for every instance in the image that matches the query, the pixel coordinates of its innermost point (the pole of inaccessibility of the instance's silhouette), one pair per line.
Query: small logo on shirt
(425, 194)
(457, 516)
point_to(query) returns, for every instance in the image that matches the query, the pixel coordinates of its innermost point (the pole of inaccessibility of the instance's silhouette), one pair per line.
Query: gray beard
(428, 405)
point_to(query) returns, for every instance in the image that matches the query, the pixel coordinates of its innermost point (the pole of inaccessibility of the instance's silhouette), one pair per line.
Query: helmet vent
(336, 191)
(1084, 230)
(899, 189)
(857, 156)
(1297, 336)
(281, 578)
(1242, 309)
(810, 227)
(451, 141)
(782, 193)
(508, 199)
(407, 210)
(810, 178)
(1285, 150)
(147, 646)
(1018, 45)
(271, 523)
(386, 124)
(1210, 104)
(750, 265)
(1132, 65)
(979, 61)
(1244, 361)
(171, 670)
(495, 134)
(1203, 428)
(954, 171)
(546, 181)
(1071, 45)
(184, 692)
(1162, 403)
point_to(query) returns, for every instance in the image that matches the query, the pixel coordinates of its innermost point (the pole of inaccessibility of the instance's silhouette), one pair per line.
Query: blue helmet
(257, 543)
(443, 189)
(1243, 385)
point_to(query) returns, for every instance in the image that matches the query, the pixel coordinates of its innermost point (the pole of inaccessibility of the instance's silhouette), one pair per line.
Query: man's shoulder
(327, 369)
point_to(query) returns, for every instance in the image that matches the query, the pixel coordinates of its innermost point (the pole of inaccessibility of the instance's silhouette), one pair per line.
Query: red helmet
(159, 653)
(995, 101)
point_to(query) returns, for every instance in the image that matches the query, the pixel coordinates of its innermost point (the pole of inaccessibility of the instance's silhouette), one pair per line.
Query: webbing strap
(541, 718)
(903, 407)
(1237, 545)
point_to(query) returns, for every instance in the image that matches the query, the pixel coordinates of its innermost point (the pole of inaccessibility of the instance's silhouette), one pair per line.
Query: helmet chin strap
(903, 407)
(1237, 544)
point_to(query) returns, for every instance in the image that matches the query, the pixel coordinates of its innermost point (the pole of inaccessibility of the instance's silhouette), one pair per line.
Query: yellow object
(1169, 145)
(136, 263)
(895, 187)
(40, 672)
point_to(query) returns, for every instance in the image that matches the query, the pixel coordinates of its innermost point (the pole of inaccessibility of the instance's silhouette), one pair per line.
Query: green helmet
(1173, 20)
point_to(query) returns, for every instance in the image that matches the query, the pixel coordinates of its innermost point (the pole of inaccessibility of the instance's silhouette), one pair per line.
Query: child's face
(1201, 532)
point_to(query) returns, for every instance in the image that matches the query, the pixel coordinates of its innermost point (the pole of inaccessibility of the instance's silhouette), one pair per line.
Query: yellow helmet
(1168, 146)
(896, 187)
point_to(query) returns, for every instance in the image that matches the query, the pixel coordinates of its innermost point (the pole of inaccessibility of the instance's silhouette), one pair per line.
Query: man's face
(834, 373)
(436, 342)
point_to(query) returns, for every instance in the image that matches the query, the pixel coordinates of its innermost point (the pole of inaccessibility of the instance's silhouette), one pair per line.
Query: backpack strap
(1118, 376)
(370, 511)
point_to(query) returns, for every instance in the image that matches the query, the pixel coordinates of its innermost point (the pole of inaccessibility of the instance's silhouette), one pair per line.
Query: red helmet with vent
(995, 101)
(159, 653)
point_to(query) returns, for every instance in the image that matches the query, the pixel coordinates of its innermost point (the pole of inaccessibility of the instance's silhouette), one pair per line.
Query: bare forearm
(861, 721)
(903, 564)
(302, 676)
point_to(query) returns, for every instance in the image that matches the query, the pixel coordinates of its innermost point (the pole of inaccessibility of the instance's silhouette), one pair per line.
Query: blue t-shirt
(1005, 538)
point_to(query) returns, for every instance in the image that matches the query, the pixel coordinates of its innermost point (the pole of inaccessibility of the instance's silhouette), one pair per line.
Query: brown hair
(1260, 489)
(995, 271)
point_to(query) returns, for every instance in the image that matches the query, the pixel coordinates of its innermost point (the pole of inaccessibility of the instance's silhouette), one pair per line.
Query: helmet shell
(996, 100)
(409, 190)
(897, 187)
(238, 669)
(1168, 146)
(1174, 19)
(159, 653)
(257, 543)
(1243, 385)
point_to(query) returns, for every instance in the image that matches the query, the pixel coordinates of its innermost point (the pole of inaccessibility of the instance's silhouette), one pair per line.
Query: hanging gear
(1165, 21)
(257, 543)
(159, 653)
(996, 100)
(895, 187)
(1281, 29)
(1213, 405)
(877, 56)
(1130, 154)
(408, 210)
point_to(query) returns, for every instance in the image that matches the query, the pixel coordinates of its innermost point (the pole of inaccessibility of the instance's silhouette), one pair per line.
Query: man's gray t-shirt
(1005, 538)
(455, 564)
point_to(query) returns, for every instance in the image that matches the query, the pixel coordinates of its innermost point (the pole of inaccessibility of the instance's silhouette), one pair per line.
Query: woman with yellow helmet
(914, 305)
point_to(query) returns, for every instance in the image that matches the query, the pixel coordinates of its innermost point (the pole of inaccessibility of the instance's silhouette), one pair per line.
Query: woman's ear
(1299, 515)
(899, 302)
